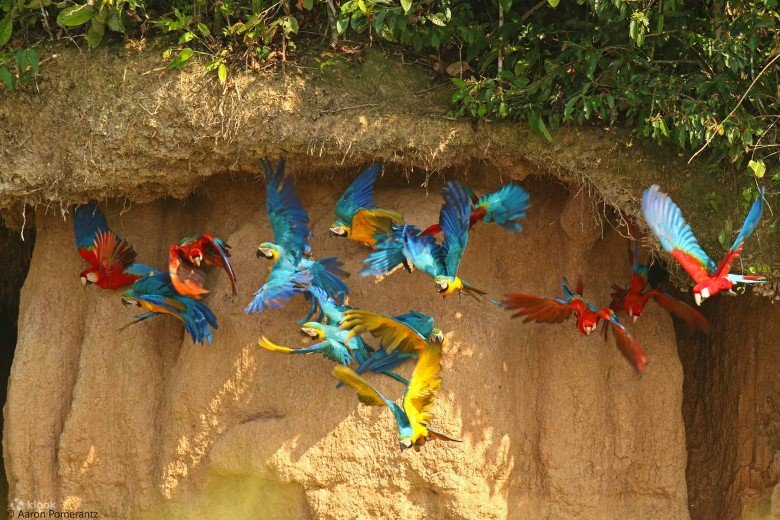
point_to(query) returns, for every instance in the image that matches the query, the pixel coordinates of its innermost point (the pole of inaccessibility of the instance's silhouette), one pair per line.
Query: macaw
(632, 300)
(505, 206)
(676, 237)
(407, 247)
(414, 416)
(556, 310)
(359, 218)
(186, 257)
(292, 270)
(154, 293)
(108, 255)
(408, 334)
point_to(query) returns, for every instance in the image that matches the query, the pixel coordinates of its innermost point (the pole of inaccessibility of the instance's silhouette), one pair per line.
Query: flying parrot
(358, 217)
(505, 206)
(154, 293)
(676, 237)
(557, 310)
(407, 247)
(292, 271)
(108, 255)
(185, 260)
(631, 300)
(414, 416)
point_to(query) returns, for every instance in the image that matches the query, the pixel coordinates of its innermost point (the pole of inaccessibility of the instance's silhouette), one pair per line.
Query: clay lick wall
(142, 424)
(732, 410)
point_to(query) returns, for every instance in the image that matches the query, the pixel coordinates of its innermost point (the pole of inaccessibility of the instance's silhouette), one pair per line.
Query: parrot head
(268, 250)
(587, 321)
(89, 276)
(446, 285)
(129, 301)
(195, 256)
(634, 305)
(710, 287)
(437, 336)
(339, 229)
(313, 329)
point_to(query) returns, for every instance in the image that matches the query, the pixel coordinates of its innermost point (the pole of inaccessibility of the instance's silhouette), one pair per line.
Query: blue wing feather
(506, 206)
(289, 220)
(751, 221)
(454, 221)
(388, 252)
(359, 195)
(284, 282)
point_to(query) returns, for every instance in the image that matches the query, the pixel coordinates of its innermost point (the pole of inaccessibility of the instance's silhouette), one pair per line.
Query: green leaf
(553, 3)
(6, 28)
(186, 37)
(543, 129)
(222, 72)
(407, 5)
(342, 24)
(8, 79)
(181, 59)
(75, 15)
(308, 4)
(758, 167)
(204, 30)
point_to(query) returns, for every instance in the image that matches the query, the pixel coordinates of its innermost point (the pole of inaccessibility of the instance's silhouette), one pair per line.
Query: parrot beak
(437, 336)
(198, 259)
(441, 286)
(405, 444)
(697, 298)
(84, 281)
(337, 231)
(128, 302)
(635, 318)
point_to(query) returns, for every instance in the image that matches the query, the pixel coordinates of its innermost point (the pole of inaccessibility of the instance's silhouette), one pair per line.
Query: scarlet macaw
(676, 237)
(108, 255)
(292, 271)
(632, 300)
(154, 293)
(359, 218)
(406, 246)
(505, 206)
(556, 310)
(414, 417)
(185, 260)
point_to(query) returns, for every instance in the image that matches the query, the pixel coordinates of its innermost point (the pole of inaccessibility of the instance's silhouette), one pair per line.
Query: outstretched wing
(505, 206)
(359, 195)
(748, 226)
(666, 221)
(326, 273)
(423, 253)
(388, 252)
(217, 252)
(693, 318)
(392, 334)
(284, 282)
(366, 393)
(88, 222)
(454, 221)
(186, 278)
(333, 311)
(627, 345)
(289, 220)
(536, 308)
(424, 385)
(368, 223)
(418, 321)
(332, 350)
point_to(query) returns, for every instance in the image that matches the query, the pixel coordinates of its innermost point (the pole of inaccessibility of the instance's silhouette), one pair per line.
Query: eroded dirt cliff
(142, 424)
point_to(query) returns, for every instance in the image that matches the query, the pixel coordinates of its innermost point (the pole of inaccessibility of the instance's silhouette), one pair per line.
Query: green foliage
(696, 75)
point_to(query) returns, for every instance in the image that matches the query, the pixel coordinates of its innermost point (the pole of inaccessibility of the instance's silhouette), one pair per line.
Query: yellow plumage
(424, 386)
(391, 333)
(367, 223)
(365, 392)
(273, 347)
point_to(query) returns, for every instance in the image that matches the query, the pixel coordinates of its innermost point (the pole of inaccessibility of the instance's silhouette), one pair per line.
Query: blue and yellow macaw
(359, 218)
(154, 293)
(408, 247)
(666, 221)
(108, 255)
(292, 271)
(414, 416)
(506, 207)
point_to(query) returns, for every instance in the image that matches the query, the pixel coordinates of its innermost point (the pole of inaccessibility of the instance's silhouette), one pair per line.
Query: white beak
(697, 297)
(635, 318)
(705, 293)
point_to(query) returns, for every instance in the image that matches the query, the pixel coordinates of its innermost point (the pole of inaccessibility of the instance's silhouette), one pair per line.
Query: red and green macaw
(409, 248)
(631, 300)
(154, 293)
(557, 310)
(186, 258)
(292, 271)
(359, 218)
(414, 416)
(676, 237)
(505, 206)
(108, 255)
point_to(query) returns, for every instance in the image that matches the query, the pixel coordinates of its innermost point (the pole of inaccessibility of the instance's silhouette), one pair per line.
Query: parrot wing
(419, 322)
(198, 319)
(368, 223)
(424, 254)
(693, 318)
(454, 222)
(187, 279)
(142, 270)
(505, 206)
(748, 226)
(424, 385)
(88, 222)
(289, 220)
(627, 345)
(325, 274)
(538, 309)
(391, 333)
(284, 282)
(618, 298)
(217, 252)
(330, 349)
(366, 393)
(666, 221)
(388, 252)
(329, 307)
(359, 195)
